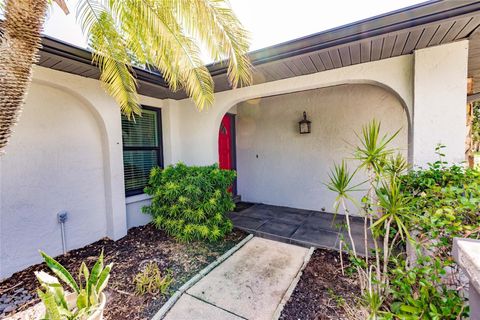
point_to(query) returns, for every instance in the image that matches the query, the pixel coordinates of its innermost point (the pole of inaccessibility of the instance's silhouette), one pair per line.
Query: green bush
(419, 293)
(445, 204)
(190, 203)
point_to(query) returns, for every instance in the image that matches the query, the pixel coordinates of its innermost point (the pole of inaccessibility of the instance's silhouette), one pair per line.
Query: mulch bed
(141, 244)
(322, 289)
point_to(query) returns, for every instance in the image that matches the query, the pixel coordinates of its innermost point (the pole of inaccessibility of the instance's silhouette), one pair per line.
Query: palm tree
(165, 35)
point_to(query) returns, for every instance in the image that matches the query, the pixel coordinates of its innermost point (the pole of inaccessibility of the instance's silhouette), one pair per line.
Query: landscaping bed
(322, 289)
(142, 244)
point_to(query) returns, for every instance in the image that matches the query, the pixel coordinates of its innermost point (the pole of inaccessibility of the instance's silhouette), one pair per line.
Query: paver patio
(300, 227)
(248, 285)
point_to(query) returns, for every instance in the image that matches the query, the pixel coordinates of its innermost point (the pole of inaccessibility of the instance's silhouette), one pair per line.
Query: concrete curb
(202, 273)
(292, 286)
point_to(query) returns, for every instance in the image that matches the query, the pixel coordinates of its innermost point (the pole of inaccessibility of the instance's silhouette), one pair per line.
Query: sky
(269, 21)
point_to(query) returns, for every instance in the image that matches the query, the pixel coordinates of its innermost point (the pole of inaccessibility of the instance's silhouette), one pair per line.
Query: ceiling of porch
(389, 35)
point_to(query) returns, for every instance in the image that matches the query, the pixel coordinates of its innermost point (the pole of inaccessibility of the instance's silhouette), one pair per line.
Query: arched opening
(279, 166)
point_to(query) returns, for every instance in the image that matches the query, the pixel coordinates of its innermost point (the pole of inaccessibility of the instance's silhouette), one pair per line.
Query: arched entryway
(277, 165)
(284, 172)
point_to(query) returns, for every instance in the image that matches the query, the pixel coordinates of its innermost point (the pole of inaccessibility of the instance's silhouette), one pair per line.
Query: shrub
(445, 204)
(437, 204)
(190, 203)
(419, 293)
(87, 292)
(151, 281)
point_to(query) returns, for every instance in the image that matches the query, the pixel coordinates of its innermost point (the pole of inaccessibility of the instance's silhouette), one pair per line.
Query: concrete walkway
(248, 285)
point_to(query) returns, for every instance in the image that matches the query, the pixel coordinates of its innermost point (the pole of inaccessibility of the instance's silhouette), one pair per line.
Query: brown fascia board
(416, 15)
(63, 49)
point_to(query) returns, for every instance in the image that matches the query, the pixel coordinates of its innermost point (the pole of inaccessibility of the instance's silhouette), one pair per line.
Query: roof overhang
(388, 35)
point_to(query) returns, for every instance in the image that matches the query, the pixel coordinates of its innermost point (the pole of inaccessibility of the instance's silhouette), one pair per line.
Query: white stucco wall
(135, 216)
(440, 83)
(54, 162)
(65, 154)
(277, 165)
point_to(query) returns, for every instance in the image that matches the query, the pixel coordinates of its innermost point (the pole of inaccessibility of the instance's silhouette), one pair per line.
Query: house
(72, 151)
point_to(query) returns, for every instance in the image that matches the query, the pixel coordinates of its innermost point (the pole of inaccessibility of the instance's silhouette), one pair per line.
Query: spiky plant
(373, 150)
(393, 202)
(341, 183)
(87, 289)
(164, 35)
(396, 165)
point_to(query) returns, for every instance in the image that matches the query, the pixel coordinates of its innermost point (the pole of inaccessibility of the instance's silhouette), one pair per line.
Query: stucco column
(466, 253)
(114, 177)
(440, 93)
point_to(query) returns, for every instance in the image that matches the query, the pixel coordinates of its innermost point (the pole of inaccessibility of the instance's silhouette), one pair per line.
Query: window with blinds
(142, 148)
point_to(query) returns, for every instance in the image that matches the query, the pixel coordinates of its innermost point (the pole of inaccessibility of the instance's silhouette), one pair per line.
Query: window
(142, 148)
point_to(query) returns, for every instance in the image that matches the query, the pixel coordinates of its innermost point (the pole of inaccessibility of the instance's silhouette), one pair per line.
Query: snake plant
(87, 290)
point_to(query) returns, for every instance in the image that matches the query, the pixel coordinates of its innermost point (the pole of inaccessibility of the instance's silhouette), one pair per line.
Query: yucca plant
(383, 210)
(396, 165)
(88, 289)
(163, 35)
(373, 150)
(341, 184)
(393, 203)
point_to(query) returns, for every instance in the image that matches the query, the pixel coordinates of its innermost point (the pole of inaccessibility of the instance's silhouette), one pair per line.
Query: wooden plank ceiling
(375, 48)
(397, 33)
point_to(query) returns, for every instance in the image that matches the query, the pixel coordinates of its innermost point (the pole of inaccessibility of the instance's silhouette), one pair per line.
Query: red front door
(225, 143)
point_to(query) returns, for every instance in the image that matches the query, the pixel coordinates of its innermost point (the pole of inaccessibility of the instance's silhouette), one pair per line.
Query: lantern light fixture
(304, 125)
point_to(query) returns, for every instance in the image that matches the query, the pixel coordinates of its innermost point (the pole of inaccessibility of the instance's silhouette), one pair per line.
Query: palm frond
(164, 35)
(110, 54)
(222, 34)
(120, 84)
(88, 13)
(163, 44)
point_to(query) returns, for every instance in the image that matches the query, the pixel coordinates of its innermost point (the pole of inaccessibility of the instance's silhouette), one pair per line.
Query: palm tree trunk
(20, 42)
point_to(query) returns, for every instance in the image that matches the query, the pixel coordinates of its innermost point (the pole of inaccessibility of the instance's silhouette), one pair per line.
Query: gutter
(416, 15)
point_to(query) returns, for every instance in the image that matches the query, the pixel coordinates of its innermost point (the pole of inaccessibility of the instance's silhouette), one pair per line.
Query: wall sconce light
(304, 125)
